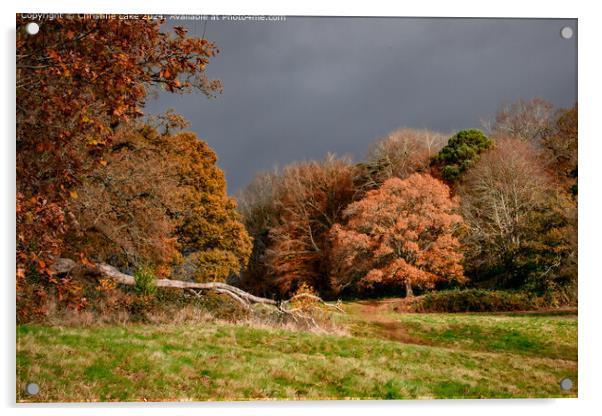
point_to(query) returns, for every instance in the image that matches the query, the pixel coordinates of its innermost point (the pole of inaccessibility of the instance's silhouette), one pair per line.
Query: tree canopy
(402, 234)
(77, 80)
(461, 150)
(159, 200)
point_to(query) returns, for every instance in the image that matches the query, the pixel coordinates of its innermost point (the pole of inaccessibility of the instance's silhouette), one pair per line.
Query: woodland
(113, 204)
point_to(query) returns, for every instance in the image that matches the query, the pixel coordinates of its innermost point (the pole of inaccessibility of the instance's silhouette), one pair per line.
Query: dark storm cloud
(298, 89)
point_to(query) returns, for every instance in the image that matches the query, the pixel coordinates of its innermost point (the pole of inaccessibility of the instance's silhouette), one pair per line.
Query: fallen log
(126, 279)
(240, 296)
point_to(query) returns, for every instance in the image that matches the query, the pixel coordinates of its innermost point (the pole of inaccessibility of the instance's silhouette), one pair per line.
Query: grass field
(386, 355)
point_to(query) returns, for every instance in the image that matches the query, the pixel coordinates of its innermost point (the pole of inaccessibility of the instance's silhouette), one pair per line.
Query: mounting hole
(32, 389)
(566, 384)
(32, 28)
(566, 32)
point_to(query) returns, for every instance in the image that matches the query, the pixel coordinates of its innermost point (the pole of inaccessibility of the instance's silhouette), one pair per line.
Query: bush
(476, 300)
(145, 282)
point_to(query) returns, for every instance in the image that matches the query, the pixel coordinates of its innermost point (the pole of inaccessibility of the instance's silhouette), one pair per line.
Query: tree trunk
(63, 266)
(409, 291)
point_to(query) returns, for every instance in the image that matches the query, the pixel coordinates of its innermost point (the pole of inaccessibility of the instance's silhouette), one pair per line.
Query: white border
(590, 149)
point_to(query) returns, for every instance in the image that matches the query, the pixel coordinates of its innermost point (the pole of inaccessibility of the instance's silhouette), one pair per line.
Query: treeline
(423, 211)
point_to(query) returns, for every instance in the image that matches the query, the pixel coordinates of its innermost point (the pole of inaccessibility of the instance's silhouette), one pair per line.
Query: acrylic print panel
(291, 208)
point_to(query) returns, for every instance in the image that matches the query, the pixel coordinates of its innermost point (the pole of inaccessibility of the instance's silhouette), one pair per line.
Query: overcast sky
(297, 89)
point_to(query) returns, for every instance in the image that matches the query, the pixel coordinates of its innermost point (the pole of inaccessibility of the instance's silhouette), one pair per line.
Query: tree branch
(63, 266)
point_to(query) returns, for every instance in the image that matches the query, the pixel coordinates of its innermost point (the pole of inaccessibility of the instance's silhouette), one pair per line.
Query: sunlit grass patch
(216, 361)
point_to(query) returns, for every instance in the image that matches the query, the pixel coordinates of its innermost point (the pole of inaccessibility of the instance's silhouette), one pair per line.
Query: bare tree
(256, 202)
(519, 221)
(525, 120)
(398, 154)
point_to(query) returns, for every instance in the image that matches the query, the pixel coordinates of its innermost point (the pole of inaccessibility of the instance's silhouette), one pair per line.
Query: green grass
(534, 336)
(540, 335)
(389, 356)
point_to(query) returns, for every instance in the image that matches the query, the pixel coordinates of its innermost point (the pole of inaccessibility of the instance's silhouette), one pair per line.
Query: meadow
(379, 354)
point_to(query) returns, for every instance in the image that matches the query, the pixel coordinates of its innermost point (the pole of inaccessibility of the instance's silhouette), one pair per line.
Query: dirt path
(374, 317)
(373, 312)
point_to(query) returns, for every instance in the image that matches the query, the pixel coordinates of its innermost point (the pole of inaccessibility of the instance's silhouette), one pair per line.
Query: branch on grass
(245, 299)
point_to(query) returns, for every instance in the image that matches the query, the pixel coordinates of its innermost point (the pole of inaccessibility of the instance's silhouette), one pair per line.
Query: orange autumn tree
(310, 198)
(560, 142)
(77, 80)
(400, 234)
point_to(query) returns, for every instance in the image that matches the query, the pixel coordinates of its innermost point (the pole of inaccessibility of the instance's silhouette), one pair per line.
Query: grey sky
(297, 89)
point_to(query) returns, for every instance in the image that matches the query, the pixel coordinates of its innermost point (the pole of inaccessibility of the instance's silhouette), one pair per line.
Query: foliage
(123, 214)
(476, 300)
(159, 199)
(402, 233)
(311, 199)
(77, 80)
(399, 154)
(522, 230)
(213, 265)
(461, 151)
(290, 215)
(209, 223)
(145, 281)
(145, 289)
(259, 213)
(538, 122)
(560, 141)
(31, 301)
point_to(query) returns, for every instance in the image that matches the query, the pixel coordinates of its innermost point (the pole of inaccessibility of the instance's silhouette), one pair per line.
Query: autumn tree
(289, 214)
(526, 120)
(77, 81)
(311, 199)
(461, 150)
(561, 143)
(402, 234)
(159, 199)
(399, 154)
(522, 226)
(122, 209)
(210, 230)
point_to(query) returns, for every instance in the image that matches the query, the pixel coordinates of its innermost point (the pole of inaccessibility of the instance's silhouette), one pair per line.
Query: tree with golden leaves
(160, 200)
